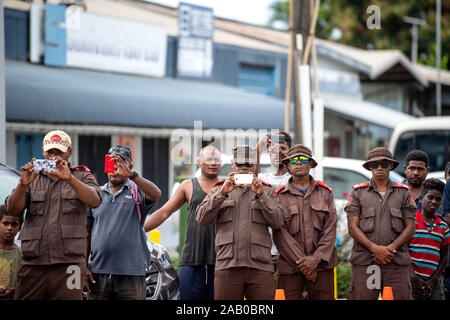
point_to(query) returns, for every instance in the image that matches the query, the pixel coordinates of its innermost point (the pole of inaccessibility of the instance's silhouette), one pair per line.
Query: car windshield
(436, 143)
(8, 180)
(342, 180)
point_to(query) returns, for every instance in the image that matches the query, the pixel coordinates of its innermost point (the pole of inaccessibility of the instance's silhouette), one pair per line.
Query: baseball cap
(57, 139)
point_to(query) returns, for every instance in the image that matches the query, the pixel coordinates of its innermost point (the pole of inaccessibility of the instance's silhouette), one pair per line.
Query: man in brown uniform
(244, 212)
(54, 233)
(380, 217)
(308, 248)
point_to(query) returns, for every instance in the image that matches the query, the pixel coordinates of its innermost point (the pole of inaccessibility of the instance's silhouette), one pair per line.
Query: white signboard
(195, 41)
(110, 44)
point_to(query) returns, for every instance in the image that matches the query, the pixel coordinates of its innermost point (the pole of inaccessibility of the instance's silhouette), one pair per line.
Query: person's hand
(308, 264)
(62, 169)
(28, 173)
(88, 278)
(121, 167)
(382, 254)
(264, 143)
(256, 186)
(228, 185)
(311, 276)
(4, 292)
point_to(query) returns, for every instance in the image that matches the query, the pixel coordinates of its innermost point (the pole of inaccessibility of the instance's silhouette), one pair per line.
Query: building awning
(39, 94)
(365, 111)
(36, 93)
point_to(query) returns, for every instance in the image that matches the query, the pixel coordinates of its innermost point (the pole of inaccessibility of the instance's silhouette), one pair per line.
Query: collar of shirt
(104, 188)
(421, 219)
(389, 187)
(296, 191)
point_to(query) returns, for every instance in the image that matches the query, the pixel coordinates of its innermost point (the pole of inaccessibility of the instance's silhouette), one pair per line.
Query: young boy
(428, 247)
(10, 254)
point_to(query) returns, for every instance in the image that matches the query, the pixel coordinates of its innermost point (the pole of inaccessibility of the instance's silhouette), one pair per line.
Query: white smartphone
(44, 165)
(244, 178)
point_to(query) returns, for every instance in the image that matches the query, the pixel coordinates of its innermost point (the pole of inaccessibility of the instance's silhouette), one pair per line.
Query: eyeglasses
(248, 165)
(384, 164)
(301, 159)
(212, 161)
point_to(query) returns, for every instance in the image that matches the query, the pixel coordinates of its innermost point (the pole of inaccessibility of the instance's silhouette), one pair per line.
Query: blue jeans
(196, 282)
(447, 287)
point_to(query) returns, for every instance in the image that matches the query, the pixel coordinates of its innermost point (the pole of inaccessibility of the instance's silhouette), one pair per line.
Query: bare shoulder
(186, 188)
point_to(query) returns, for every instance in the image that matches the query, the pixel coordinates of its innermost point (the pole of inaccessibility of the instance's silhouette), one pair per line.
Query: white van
(429, 134)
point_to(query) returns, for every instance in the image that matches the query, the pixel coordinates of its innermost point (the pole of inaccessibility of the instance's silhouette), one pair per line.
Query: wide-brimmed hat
(300, 150)
(378, 154)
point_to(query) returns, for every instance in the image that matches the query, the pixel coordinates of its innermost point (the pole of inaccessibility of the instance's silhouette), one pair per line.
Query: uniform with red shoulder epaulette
(54, 229)
(309, 230)
(242, 236)
(382, 220)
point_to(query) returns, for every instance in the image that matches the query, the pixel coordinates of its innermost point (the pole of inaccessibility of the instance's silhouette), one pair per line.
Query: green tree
(347, 19)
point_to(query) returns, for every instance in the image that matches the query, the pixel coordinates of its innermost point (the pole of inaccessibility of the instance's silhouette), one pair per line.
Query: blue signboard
(195, 41)
(55, 35)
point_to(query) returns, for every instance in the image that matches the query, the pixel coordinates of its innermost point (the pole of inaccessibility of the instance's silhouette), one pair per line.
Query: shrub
(344, 274)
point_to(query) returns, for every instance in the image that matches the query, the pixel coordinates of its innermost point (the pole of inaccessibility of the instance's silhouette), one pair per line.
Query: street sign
(195, 41)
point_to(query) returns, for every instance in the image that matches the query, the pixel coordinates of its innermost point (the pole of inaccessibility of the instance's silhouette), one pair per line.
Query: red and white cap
(57, 139)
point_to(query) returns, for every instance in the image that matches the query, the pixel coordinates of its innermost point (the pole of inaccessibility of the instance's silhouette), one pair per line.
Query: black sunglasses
(240, 165)
(384, 164)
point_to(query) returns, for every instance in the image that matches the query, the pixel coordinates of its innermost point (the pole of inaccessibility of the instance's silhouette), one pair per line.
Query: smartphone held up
(243, 178)
(44, 165)
(110, 163)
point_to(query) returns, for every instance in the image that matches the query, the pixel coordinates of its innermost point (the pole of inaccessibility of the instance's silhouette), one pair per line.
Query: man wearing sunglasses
(380, 216)
(307, 240)
(243, 213)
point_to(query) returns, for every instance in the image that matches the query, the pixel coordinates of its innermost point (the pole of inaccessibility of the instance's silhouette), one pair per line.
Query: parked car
(161, 277)
(339, 173)
(430, 134)
(9, 178)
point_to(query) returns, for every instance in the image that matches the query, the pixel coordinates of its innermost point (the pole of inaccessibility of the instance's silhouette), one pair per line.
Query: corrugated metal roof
(43, 94)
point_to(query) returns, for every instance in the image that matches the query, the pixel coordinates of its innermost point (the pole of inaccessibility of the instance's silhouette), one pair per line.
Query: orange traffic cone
(279, 294)
(387, 293)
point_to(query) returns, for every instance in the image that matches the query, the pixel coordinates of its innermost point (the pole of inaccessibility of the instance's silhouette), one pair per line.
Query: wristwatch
(134, 175)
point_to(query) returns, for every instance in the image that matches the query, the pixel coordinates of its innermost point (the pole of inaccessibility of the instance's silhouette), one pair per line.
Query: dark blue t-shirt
(118, 241)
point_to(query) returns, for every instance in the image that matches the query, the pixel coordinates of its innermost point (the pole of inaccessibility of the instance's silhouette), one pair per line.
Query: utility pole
(415, 22)
(438, 58)
(301, 23)
(2, 88)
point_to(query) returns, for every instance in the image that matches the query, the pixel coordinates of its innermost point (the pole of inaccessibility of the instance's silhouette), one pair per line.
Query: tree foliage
(347, 18)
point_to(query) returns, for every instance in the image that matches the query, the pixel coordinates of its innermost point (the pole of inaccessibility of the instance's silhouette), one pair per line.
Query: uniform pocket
(74, 239)
(227, 203)
(30, 242)
(224, 245)
(319, 214)
(257, 216)
(37, 203)
(260, 247)
(71, 202)
(367, 220)
(292, 219)
(397, 220)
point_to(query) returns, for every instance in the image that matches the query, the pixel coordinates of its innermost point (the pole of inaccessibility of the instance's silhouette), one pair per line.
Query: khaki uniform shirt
(242, 235)
(309, 227)
(381, 219)
(54, 229)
